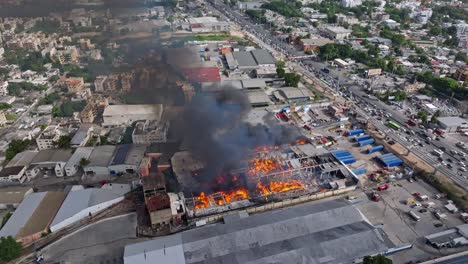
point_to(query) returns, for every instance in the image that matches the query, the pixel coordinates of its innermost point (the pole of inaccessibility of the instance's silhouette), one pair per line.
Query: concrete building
(306, 233)
(65, 55)
(208, 24)
(48, 138)
(120, 115)
(49, 161)
(32, 217)
(3, 88)
(82, 136)
(254, 59)
(127, 159)
(99, 83)
(254, 5)
(3, 119)
(12, 196)
(338, 33)
(82, 203)
(99, 160)
(292, 94)
(14, 174)
(314, 43)
(73, 164)
(258, 98)
(452, 123)
(461, 75)
(72, 84)
(150, 131)
(351, 3)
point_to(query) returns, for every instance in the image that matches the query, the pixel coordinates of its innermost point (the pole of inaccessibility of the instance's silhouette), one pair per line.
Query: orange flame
(201, 201)
(263, 166)
(280, 186)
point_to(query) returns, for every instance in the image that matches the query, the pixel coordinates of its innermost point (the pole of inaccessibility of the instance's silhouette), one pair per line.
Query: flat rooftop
(320, 232)
(101, 156)
(13, 194)
(147, 109)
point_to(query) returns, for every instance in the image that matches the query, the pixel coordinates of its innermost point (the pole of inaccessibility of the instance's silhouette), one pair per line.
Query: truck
(464, 217)
(429, 204)
(414, 216)
(439, 215)
(439, 153)
(411, 122)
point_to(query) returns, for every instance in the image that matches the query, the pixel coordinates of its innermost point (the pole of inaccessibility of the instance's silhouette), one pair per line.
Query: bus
(393, 125)
(414, 216)
(439, 153)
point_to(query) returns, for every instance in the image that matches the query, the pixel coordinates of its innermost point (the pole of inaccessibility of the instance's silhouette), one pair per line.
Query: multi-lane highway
(267, 40)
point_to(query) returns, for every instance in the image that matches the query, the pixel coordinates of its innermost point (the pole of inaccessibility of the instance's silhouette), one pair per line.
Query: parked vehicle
(383, 187)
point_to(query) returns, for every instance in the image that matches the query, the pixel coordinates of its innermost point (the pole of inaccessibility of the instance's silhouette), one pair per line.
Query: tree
(423, 116)
(64, 142)
(379, 259)
(16, 146)
(9, 248)
(292, 79)
(280, 72)
(84, 162)
(435, 116)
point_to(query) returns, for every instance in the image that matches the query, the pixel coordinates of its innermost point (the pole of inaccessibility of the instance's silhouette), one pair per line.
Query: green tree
(379, 259)
(280, 72)
(435, 116)
(9, 248)
(16, 146)
(292, 79)
(4, 106)
(64, 142)
(423, 115)
(84, 162)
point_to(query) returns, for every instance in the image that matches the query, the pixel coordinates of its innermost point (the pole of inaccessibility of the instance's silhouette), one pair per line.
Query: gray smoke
(216, 132)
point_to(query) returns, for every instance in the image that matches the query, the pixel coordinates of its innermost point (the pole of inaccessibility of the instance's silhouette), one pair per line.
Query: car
(450, 160)
(449, 166)
(423, 210)
(462, 169)
(410, 180)
(438, 224)
(383, 187)
(416, 194)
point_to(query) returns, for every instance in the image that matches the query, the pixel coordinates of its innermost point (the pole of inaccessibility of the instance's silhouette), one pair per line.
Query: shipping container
(355, 132)
(348, 160)
(366, 142)
(359, 171)
(375, 149)
(361, 138)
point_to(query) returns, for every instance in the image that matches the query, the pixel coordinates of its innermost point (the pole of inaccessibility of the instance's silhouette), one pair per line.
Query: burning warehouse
(268, 174)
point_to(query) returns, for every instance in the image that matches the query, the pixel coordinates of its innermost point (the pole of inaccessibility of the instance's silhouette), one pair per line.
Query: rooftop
(81, 134)
(452, 121)
(253, 83)
(22, 159)
(244, 58)
(52, 155)
(308, 233)
(293, 92)
(263, 57)
(101, 156)
(11, 171)
(258, 97)
(13, 194)
(78, 200)
(147, 109)
(80, 153)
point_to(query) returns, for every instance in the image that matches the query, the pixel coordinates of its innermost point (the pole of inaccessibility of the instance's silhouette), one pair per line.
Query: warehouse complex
(307, 233)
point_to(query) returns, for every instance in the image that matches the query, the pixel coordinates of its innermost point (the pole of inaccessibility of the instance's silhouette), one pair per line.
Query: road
(337, 79)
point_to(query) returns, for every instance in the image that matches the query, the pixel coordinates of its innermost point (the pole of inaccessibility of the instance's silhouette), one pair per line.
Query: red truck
(383, 187)
(411, 122)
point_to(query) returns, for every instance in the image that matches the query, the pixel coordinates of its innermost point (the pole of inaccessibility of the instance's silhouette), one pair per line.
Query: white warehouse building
(73, 163)
(118, 115)
(82, 203)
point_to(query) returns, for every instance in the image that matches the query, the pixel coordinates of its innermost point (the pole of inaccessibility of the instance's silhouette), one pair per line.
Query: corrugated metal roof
(244, 58)
(22, 214)
(307, 233)
(263, 57)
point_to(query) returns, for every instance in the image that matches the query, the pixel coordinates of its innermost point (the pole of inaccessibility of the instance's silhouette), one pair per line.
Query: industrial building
(14, 174)
(74, 163)
(12, 196)
(292, 94)
(454, 237)
(124, 115)
(32, 217)
(82, 136)
(337, 33)
(306, 233)
(452, 123)
(50, 161)
(271, 174)
(127, 159)
(251, 60)
(99, 160)
(208, 24)
(81, 203)
(148, 132)
(258, 98)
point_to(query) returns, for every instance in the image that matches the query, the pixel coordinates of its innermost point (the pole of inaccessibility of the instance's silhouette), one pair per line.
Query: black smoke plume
(216, 132)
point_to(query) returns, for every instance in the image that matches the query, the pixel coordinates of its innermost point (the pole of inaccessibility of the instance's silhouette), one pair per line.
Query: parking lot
(391, 213)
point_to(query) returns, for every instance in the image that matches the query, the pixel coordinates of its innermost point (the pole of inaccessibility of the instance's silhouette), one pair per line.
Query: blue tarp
(390, 160)
(361, 138)
(355, 132)
(360, 171)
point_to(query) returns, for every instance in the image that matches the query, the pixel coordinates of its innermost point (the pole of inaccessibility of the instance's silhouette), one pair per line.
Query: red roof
(202, 74)
(158, 202)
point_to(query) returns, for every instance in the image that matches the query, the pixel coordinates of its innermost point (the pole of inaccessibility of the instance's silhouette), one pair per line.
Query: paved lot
(100, 243)
(391, 214)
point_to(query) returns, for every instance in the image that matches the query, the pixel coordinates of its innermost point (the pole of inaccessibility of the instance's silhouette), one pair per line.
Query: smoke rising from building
(216, 133)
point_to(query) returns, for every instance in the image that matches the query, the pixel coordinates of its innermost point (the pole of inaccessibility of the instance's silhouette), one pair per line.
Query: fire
(280, 186)
(301, 141)
(263, 166)
(202, 201)
(226, 197)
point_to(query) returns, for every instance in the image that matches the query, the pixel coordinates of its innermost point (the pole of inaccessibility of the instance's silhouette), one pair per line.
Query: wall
(85, 213)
